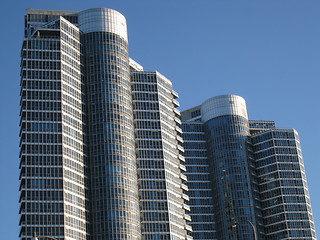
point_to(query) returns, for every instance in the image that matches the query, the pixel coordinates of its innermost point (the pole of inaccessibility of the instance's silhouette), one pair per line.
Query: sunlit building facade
(246, 178)
(162, 189)
(106, 154)
(284, 194)
(89, 167)
(53, 150)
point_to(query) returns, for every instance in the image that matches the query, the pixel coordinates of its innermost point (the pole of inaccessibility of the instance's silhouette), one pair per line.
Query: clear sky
(266, 51)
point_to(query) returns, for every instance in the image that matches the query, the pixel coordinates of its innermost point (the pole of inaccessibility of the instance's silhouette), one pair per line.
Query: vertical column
(199, 184)
(227, 127)
(114, 186)
(158, 147)
(73, 134)
(283, 186)
(41, 186)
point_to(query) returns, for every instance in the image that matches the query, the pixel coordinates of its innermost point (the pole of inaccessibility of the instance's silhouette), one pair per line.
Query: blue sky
(266, 51)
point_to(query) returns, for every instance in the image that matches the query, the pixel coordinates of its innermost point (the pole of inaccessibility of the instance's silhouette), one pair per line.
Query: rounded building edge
(103, 20)
(223, 105)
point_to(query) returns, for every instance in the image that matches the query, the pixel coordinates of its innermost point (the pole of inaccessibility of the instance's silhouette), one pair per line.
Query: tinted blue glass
(229, 159)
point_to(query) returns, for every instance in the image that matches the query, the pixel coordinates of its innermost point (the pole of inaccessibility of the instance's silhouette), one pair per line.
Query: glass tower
(106, 154)
(53, 157)
(231, 167)
(199, 183)
(111, 143)
(91, 167)
(248, 176)
(283, 187)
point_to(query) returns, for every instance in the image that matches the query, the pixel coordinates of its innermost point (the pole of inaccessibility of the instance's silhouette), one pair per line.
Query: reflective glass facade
(231, 171)
(283, 187)
(257, 182)
(111, 143)
(104, 154)
(53, 160)
(199, 183)
(101, 150)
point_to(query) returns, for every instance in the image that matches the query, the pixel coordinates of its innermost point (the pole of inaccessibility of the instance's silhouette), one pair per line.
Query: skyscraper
(159, 156)
(246, 178)
(105, 153)
(100, 149)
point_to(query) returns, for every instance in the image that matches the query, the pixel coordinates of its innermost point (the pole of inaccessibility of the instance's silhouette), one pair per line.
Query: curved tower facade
(103, 155)
(227, 126)
(257, 179)
(111, 142)
(83, 120)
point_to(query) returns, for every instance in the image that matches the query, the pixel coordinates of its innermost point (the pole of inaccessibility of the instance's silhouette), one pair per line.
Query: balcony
(183, 177)
(180, 148)
(186, 207)
(176, 111)
(184, 187)
(185, 197)
(178, 120)
(182, 158)
(187, 217)
(175, 103)
(180, 139)
(188, 228)
(179, 130)
(174, 94)
(183, 167)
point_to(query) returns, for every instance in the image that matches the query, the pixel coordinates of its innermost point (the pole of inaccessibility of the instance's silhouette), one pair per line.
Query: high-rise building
(100, 138)
(160, 163)
(105, 155)
(246, 178)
